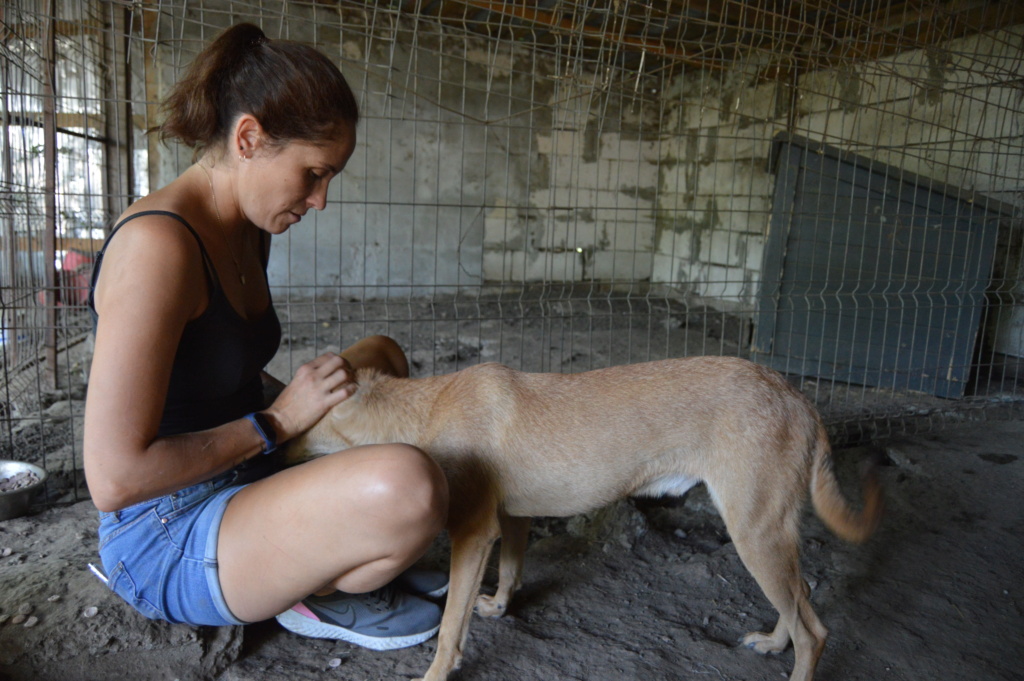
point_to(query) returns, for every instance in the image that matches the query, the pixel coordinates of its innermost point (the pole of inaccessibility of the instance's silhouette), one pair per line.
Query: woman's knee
(422, 485)
(406, 483)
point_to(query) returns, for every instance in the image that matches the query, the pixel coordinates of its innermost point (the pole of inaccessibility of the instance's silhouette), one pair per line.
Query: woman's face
(279, 184)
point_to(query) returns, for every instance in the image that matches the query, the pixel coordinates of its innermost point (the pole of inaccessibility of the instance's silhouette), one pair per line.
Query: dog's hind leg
(772, 556)
(515, 532)
(472, 539)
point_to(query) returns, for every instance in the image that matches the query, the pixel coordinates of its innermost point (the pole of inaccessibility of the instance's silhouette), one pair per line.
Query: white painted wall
(483, 163)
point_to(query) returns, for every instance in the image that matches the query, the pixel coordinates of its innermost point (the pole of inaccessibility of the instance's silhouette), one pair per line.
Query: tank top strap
(211, 271)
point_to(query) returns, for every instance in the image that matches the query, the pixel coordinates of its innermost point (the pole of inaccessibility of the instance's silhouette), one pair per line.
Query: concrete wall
(481, 162)
(445, 138)
(591, 219)
(949, 115)
(478, 162)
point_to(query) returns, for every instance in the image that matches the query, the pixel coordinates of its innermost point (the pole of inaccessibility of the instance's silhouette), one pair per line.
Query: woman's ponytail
(293, 90)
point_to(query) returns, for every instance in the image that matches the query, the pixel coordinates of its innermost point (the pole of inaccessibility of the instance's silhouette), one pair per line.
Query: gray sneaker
(385, 619)
(426, 583)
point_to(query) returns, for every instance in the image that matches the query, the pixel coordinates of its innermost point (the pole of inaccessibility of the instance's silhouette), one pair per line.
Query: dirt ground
(650, 590)
(643, 590)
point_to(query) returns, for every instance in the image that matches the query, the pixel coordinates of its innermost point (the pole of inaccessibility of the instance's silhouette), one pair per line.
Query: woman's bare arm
(151, 284)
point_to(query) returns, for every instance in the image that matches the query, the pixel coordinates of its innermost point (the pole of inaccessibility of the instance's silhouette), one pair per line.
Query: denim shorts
(160, 555)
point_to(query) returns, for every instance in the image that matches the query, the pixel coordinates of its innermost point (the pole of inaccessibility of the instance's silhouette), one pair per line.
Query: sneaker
(426, 583)
(385, 619)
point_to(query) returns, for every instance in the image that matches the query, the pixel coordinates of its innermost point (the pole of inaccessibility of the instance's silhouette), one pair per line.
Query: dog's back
(562, 444)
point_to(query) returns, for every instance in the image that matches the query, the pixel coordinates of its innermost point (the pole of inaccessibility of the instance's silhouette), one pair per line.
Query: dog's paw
(763, 643)
(488, 606)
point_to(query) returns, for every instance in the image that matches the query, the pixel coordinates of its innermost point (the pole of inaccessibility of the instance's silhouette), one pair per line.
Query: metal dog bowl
(22, 481)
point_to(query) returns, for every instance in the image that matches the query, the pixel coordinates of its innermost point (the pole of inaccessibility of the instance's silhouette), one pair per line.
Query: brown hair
(294, 91)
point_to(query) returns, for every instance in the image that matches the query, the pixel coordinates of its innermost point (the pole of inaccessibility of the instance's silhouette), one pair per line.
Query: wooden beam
(556, 23)
(118, 174)
(9, 352)
(65, 122)
(60, 28)
(150, 17)
(934, 25)
(28, 244)
(50, 162)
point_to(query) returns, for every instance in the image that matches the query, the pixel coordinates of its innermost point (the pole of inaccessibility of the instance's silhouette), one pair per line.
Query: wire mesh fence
(832, 189)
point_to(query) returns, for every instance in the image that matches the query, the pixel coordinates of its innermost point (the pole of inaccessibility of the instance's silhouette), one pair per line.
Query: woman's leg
(352, 521)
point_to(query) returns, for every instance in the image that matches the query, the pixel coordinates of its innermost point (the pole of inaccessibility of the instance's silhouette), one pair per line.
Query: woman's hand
(318, 385)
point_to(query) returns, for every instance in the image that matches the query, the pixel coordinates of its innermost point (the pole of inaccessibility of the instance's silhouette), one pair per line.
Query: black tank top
(215, 377)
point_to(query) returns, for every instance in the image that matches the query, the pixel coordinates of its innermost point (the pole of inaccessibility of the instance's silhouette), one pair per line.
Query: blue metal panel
(872, 275)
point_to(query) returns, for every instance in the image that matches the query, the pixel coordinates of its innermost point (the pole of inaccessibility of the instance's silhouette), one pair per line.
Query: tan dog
(515, 445)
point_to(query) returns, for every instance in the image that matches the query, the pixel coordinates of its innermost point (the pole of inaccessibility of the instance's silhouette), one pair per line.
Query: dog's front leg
(471, 546)
(514, 535)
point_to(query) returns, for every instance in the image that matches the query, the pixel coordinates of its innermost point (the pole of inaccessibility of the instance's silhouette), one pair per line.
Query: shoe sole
(302, 625)
(437, 593)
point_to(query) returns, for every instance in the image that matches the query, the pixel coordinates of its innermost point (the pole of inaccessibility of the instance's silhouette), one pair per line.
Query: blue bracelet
(266, 430)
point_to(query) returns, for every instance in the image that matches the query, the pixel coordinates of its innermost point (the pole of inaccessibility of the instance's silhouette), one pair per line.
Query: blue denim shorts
(160, 555)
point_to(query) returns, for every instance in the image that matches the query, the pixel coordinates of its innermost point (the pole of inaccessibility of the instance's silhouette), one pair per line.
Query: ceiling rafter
(794, 36)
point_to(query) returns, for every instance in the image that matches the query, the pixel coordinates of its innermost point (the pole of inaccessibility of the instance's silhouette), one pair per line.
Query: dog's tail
(830, 504)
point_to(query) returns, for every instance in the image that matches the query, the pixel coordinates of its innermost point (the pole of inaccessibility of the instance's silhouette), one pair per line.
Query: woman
(197, 524)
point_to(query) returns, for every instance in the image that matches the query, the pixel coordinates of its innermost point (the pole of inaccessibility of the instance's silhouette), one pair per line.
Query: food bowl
(28, 480)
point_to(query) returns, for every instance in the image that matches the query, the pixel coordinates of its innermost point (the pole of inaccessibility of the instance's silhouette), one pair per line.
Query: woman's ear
(248, 136)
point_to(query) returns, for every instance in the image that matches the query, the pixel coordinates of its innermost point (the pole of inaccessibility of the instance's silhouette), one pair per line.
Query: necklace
(220, 222)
